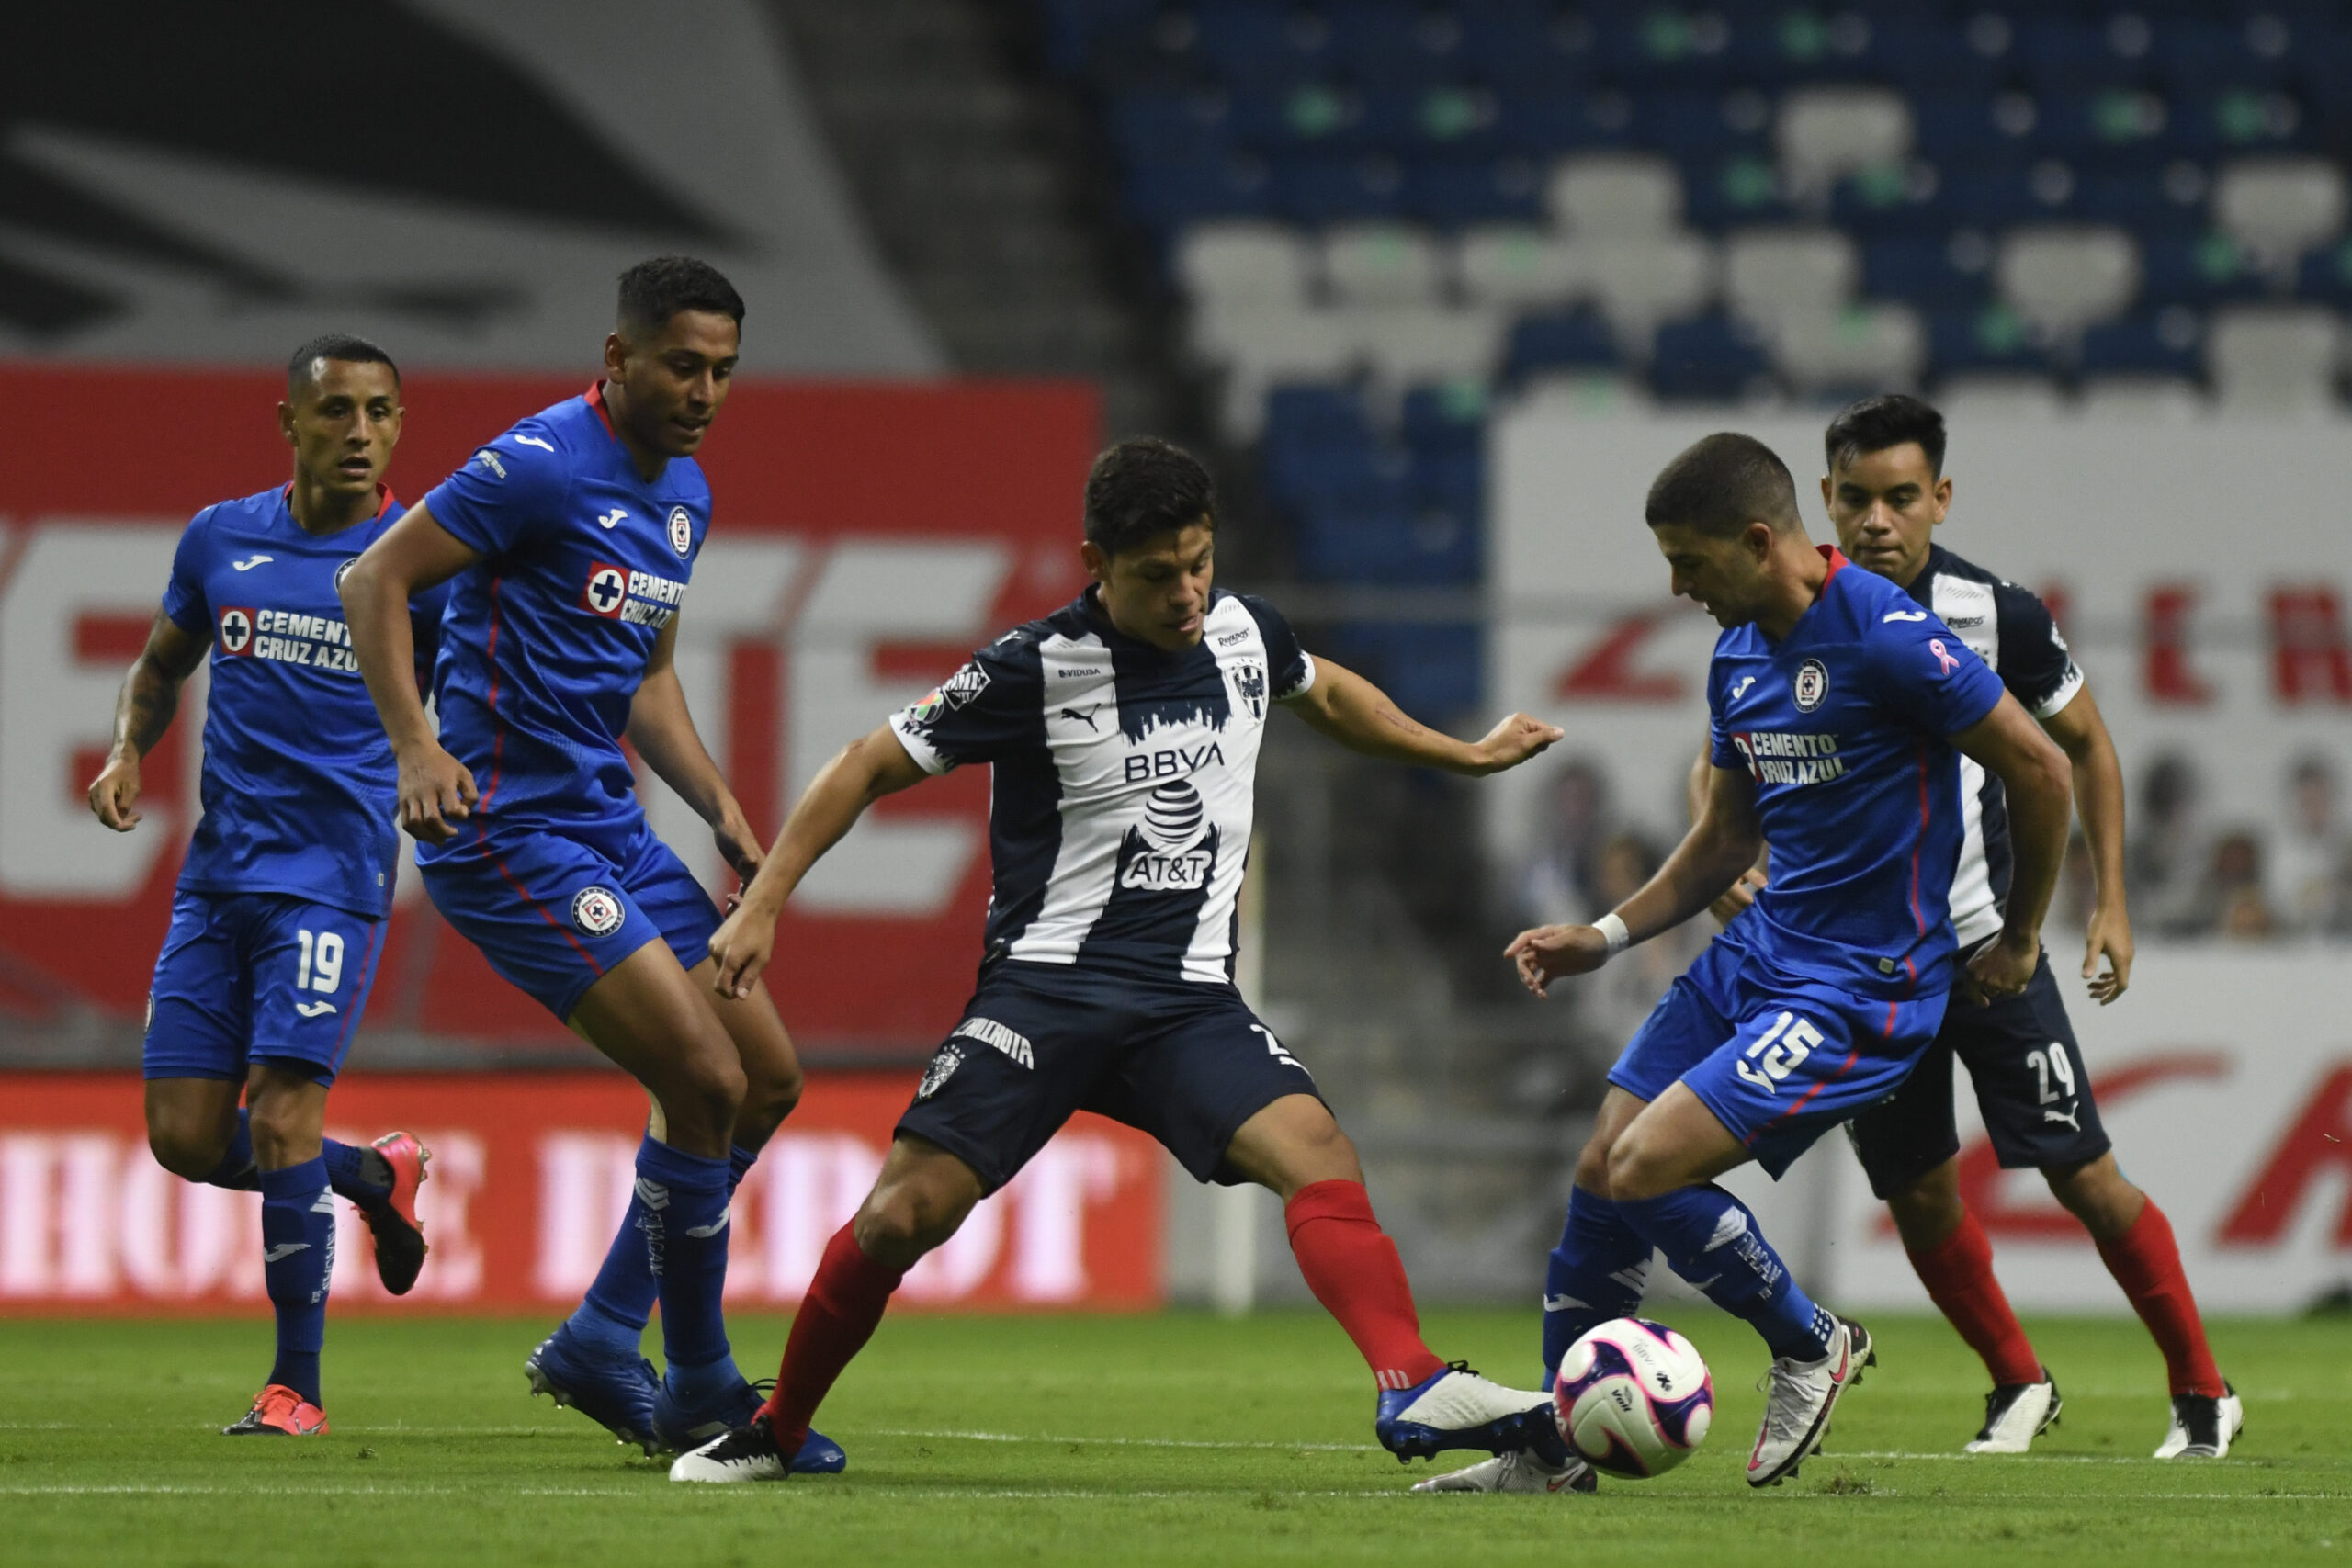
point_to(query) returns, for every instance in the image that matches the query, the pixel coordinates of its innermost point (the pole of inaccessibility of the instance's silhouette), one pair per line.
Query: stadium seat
(2242, 120)
(1638, 283)
(1586, 394)
(1321, 415)
(2140, 399)
(2007, 194)
(1935, 275)
(1994, 339)
(1164, 197)
(1454, 193)
(1735, 192)
(1255, 345)
(2203, 270)
(1875, 347)
(2108, 125)
(1514, 266)
(2274, 360)
(1433, 670)
(1448, 420)
(1218, 265)
(2070, 50)
(1615, 196)
(1386, 41)
(1383, 264)
(2064, 279)
(1906, 199)
(1406, 344)
(1647, 48)
(2279, 208)
(1993, 397)
(2170, 199)
(1160, 125)
(1825, 132)
(1527, 49)
(1295, 119)
(1577, 339)
(2256, 49)
(1769, 273)
(1240, 42)
(1695, 124)
(1317, 191)
(1974, 127)
(1445, 119)
(2166, 343)
(1711, 358)
(2326, 275)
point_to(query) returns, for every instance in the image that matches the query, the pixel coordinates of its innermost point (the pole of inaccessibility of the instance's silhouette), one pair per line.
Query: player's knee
(901, 1221)
(187, 1151)
(280, 1128)
(1926, 1213)
(2098, 1195)
(1637, 1169)
(705, 1094)
(1592, 1165)
(771, 1095)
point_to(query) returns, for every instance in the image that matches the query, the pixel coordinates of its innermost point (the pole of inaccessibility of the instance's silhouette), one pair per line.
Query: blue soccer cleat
(683, 1431)
(617, 1392)
(1457, 1408)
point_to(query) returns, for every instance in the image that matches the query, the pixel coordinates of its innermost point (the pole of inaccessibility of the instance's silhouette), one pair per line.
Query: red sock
(2145, 1261)
(836, 1318)
(1353, 1269)
(1957, 1272)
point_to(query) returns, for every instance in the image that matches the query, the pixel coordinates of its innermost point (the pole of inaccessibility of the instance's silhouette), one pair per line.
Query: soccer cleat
(1518, 1470)
(1798, 1400)
(747, 1452)
(279, 1412)
(2015, 1414)
(399, 1240)
(617, 1392)
(684, 1432)
(2202, 1426)
(1454, 1407)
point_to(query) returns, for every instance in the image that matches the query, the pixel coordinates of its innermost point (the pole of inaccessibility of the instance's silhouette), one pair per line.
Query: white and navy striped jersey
(1124, 781)
(2011, 630)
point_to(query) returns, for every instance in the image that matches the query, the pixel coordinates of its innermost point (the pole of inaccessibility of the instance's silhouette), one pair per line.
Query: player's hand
(1512, 742)
(115, 792)
(741, 949)
(2001, 968)
(737, 842)
(436, 790)
(1548, 953)
(2109, 933)
(1737, 896)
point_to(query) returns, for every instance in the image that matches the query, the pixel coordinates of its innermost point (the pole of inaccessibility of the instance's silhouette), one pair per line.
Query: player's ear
(1827, 492)
(616, 354)
(286, 423)
(1097, 563)
(1943, 497)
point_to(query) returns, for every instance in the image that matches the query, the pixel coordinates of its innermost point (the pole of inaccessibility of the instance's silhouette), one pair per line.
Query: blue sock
(351, 1171)
(1711, 1239)
(684, 1197)
(1597, 1272)
(298, 1256)
(613, 1314)
(236, 1170)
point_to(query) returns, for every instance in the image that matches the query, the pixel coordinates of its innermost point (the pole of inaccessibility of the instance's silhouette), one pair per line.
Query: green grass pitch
(1128, 1441)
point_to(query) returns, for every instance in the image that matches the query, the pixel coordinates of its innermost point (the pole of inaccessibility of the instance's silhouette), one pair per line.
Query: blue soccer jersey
(299, 780)
(584, 563)
(1845, 726)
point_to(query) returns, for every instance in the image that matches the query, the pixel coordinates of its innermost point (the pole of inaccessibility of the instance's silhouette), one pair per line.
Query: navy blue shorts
(246, 974)
(1185, 1062)
(1779, 1060)
(553, 913)
(2031, 1086)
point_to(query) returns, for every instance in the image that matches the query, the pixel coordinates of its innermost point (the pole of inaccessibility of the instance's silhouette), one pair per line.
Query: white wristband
(1613, 931)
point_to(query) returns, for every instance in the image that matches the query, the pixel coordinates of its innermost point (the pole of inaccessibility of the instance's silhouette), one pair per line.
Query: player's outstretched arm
(142, 711)
(2007, 744)
(1741, 893)
(414, 554)
(1358, 715)
(862, 773)
(1722, 844)
(664, 735)
(2081, 733)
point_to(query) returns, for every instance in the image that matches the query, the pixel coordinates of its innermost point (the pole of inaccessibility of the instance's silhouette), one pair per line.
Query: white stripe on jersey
(1970, 610)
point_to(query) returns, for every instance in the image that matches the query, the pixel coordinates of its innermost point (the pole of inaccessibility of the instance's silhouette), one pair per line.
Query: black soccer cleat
(2203, 1426)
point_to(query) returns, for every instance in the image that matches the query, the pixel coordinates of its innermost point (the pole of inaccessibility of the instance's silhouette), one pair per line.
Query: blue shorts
(1185, 1062)
(246, 974)
(554, 913)
(1779, 1060)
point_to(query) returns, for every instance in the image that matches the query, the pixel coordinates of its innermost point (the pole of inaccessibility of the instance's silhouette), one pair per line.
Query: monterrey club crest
(681, 531)
(236, 629)
(1813, 685)
(1249, 680)
(596, 912)
(944, 1063)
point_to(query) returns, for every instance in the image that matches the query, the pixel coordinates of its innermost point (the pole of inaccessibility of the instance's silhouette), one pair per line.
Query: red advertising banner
(530, 1174)
(866, 536)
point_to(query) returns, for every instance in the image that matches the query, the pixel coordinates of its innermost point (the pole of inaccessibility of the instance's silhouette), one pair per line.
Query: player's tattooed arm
(2081, 733)
(142, 711)
(2007, 744)
(1722, 844)
(664, 735)
(1360, 716)
(861, 773)
(412, 555)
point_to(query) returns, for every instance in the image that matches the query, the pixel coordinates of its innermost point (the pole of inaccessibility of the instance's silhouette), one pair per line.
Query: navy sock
(1597, 1272)
(297, 1256)
(1711, 1239)
(360, 1175)
(613, 1314)
(685, 1239)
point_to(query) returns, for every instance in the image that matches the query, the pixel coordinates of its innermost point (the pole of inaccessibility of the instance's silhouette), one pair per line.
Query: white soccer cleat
(2015, 1414)
(2203, 1427)
(1799, 1400)
(1454, 1407)
(746, 1454)
(1518, 1470)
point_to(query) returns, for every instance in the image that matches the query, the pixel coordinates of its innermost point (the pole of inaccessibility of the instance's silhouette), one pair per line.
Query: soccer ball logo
(596, 912)
(681, 531)
(1813, 685)
(1634, 1398)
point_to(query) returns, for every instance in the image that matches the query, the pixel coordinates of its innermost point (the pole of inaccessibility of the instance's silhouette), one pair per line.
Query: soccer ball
(1634, 1398)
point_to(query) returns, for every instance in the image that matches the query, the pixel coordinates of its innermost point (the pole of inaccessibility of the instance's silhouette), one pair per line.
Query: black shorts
(2031, 1086)
(1185, 1062)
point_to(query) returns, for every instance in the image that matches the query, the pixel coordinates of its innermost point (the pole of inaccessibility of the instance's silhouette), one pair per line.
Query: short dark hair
(334, 346)
(1876, 423)
(1142, 488)
(659, 286)
(1720, 485)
